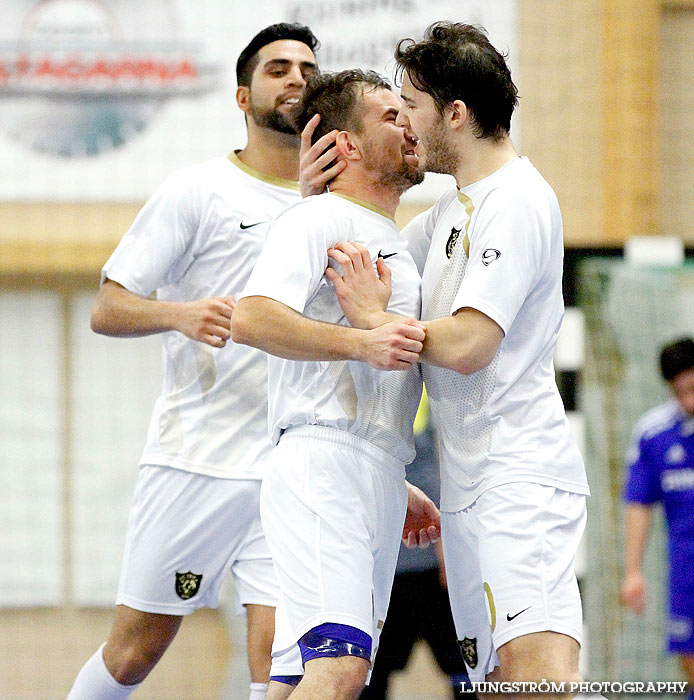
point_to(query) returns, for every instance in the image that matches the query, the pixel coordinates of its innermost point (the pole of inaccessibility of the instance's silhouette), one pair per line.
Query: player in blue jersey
(661, 470)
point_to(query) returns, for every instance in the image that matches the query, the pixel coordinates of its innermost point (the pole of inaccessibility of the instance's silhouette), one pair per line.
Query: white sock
(94, 682)
(258, 691)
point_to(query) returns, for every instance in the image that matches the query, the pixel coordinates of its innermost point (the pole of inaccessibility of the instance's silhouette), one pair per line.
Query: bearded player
(194, 516)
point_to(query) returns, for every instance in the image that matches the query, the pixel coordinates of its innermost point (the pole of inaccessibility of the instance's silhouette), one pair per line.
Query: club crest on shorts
(468, 648)
(452, 240)
(187, 585)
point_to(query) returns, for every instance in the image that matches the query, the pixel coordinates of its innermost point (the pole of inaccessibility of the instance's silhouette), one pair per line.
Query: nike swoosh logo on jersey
(245, 226)
(386, 256)
(513, 617)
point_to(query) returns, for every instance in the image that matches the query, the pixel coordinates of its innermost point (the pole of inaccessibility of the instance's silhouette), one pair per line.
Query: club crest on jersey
(452, 240)
(187, 585)
(468, 647)
(490, 255)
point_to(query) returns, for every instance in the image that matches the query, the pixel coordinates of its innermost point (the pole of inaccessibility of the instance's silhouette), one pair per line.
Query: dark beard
(401, 180)
(272, 119)
(438, 157)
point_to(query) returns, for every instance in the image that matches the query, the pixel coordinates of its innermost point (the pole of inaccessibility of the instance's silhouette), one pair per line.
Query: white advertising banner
(101, 99)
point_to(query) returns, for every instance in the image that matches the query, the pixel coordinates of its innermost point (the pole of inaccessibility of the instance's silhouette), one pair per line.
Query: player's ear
(347, 145)
(458, 115)
(243, 97)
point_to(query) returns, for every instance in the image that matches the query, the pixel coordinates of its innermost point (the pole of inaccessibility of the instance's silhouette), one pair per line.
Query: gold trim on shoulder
(271, 179)
(366, 205)
(469, 208)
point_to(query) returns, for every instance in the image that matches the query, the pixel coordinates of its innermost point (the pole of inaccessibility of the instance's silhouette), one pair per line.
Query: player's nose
(410, 136)
(295, 77)
(404, 121)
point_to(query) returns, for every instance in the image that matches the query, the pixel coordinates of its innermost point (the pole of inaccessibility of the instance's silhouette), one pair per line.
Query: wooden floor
(42, 650)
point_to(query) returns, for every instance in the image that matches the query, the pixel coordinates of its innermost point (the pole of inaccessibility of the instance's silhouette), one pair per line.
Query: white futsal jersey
(496, 246)
(375, 405)
(199, 236)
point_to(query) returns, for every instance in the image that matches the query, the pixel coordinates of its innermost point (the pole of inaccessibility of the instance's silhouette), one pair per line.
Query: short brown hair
(335, 96)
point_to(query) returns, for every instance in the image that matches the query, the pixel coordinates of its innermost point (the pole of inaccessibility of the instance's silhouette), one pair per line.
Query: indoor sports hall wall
(620, 382)
(607, 115)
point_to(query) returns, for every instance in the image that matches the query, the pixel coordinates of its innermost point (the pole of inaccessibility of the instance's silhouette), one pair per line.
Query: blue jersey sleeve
(643, 482)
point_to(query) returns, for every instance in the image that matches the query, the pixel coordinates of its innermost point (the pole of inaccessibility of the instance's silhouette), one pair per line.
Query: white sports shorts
(333, 508)
(185, 532)
(510, 568)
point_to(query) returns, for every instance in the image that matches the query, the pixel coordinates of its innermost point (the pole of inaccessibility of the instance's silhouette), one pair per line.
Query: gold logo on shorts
(187, 585)
(468, 647)
(492, 607)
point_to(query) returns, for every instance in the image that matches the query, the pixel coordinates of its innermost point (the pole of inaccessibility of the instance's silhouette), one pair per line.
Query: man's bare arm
(465, 342)
(121, 313)
(637, 529)
(271, 326)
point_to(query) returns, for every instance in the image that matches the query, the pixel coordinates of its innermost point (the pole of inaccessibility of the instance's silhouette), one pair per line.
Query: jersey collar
(366, 205)
(271, 179)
